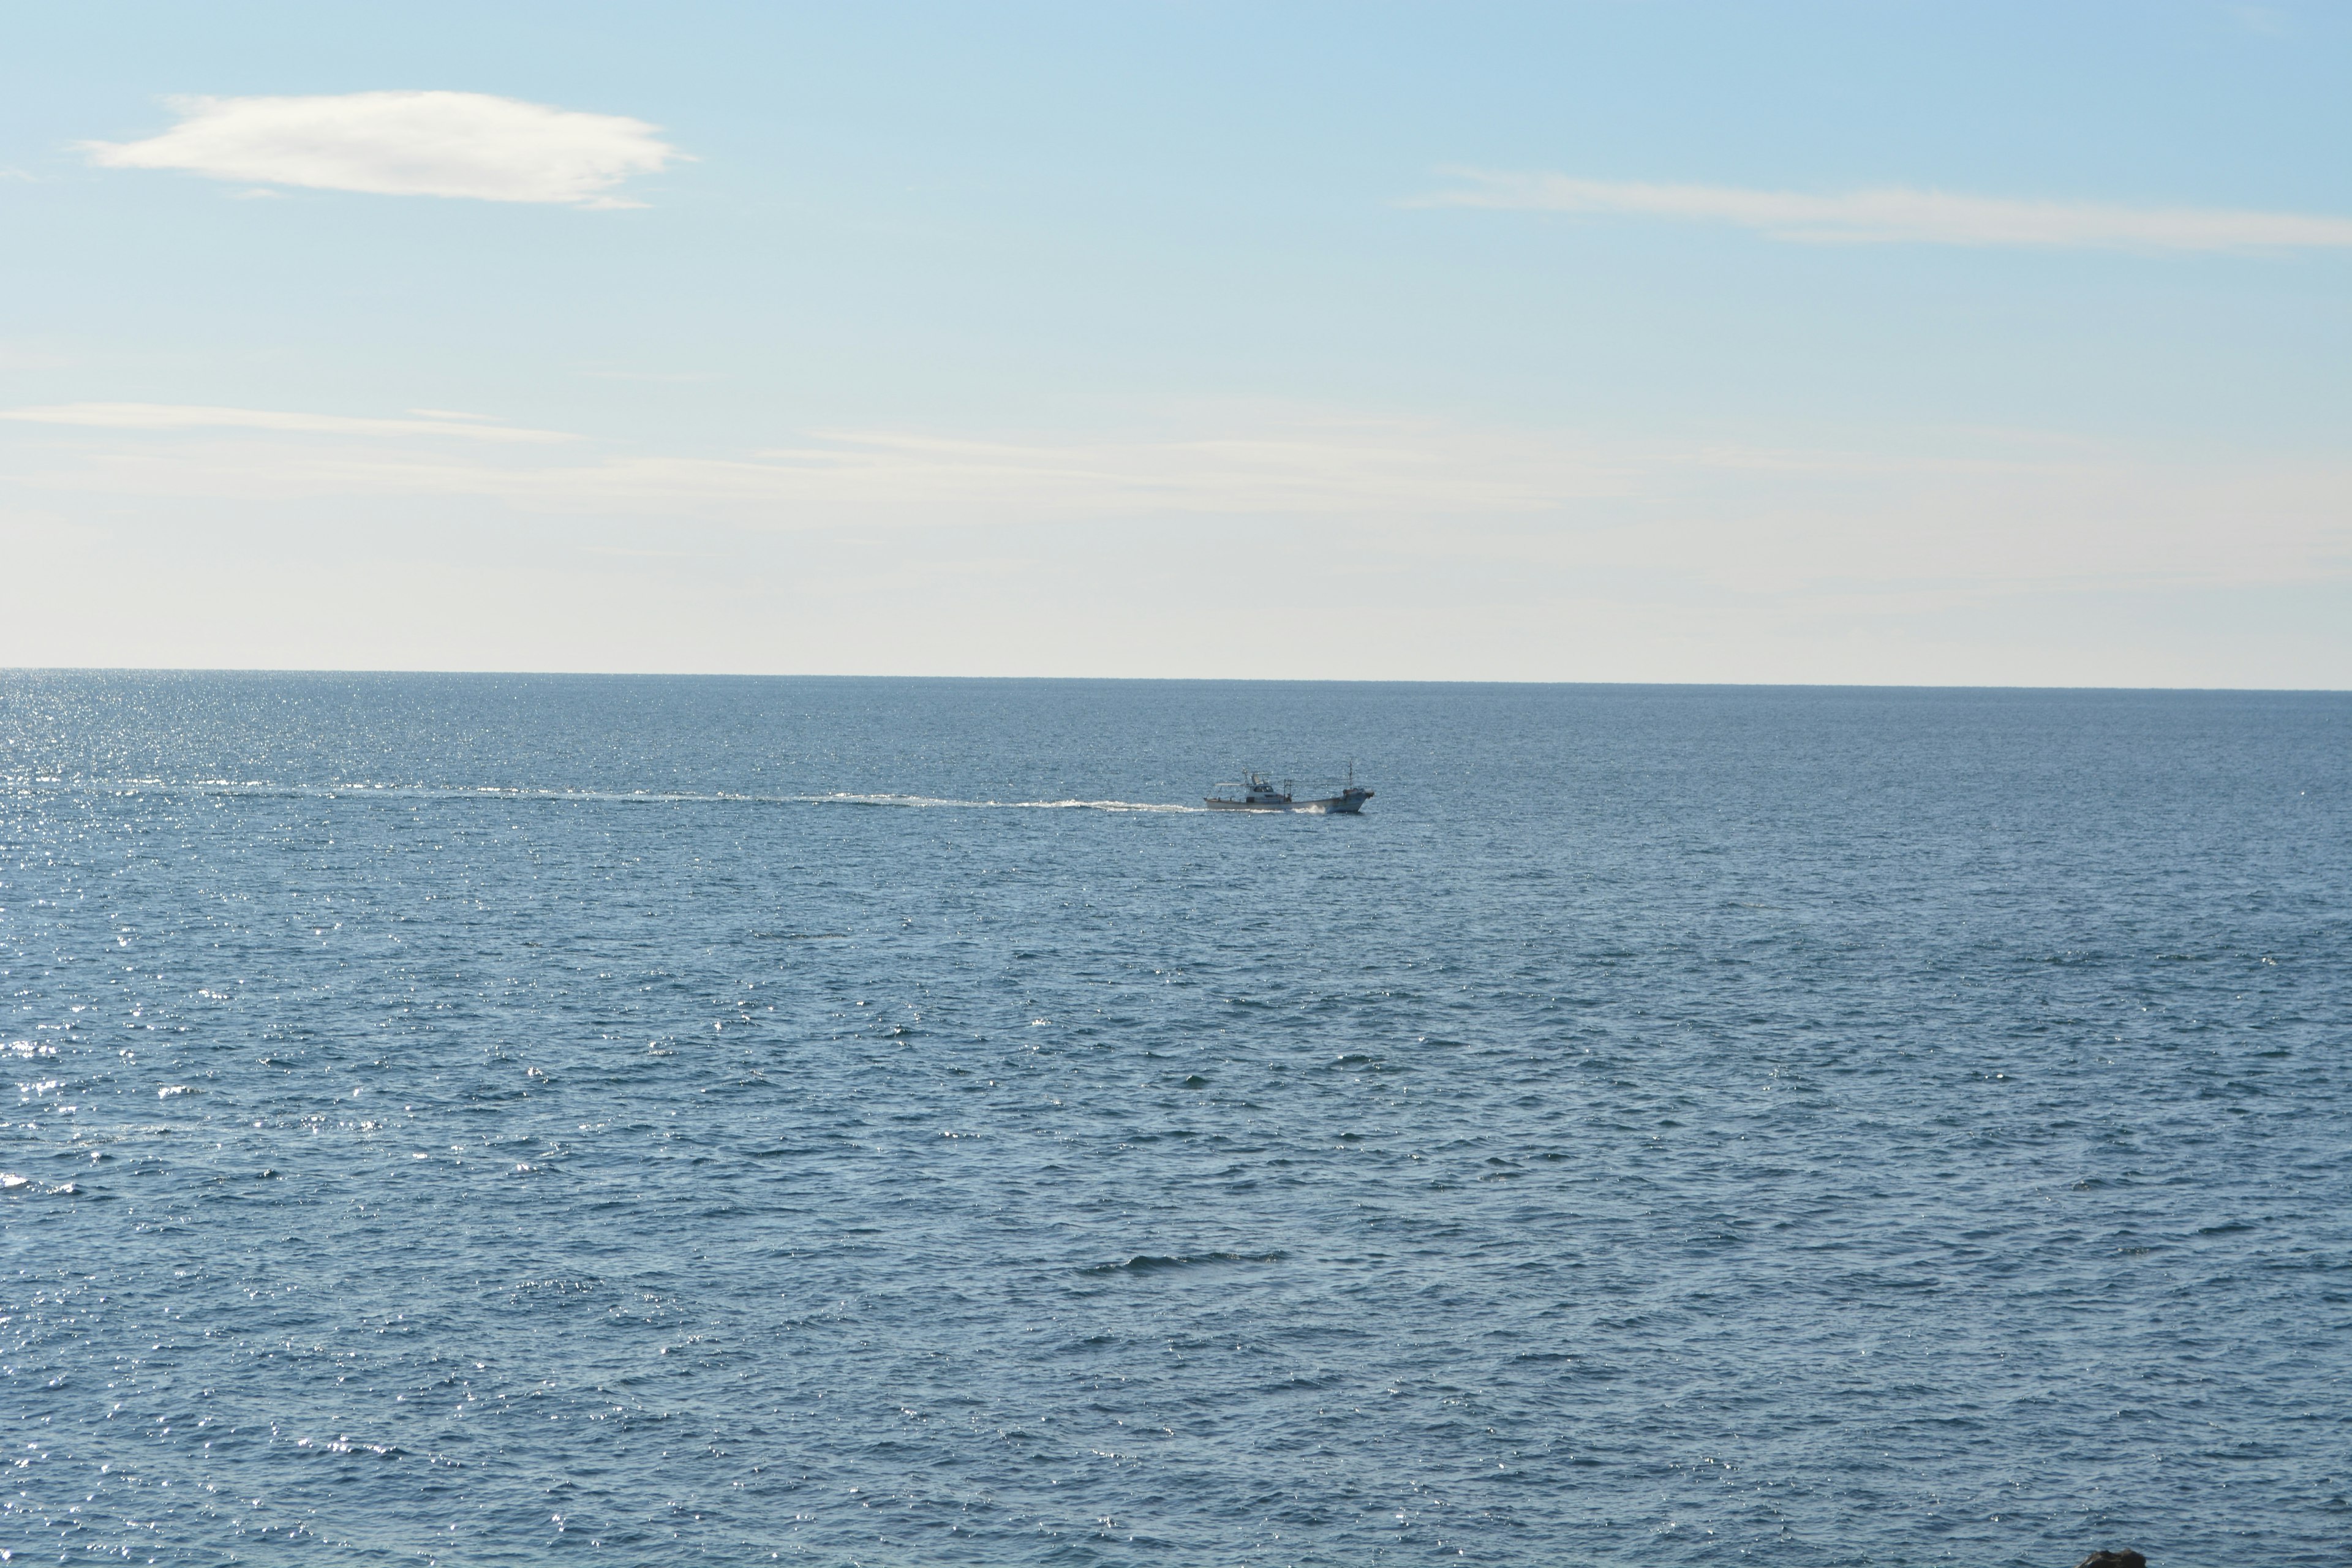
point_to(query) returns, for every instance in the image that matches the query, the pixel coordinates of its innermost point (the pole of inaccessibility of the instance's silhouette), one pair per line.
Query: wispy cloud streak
(1898, 215)
(192, 416)
(1952, 509)
(404, 143)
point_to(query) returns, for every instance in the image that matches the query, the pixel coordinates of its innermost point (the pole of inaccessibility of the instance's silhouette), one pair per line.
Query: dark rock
(2112, 1560)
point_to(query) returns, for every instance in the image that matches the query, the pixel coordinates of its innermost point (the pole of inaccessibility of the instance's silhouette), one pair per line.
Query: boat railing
(1254, 782)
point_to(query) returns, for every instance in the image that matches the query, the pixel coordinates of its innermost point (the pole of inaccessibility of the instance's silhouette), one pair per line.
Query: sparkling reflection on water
(500, 1120)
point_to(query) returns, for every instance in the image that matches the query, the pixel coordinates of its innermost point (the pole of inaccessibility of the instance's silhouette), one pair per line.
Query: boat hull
(1350, 802)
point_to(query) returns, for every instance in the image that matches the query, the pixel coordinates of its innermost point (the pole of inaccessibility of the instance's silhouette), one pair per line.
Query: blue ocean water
(520, 1120)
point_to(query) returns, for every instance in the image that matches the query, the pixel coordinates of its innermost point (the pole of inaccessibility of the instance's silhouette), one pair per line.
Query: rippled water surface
(505, 1120)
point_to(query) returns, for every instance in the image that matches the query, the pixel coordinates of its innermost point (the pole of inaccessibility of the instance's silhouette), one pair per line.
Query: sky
(1631, 341)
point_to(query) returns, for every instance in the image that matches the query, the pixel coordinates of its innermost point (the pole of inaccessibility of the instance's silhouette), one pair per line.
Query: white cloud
(187, 416)
(1317, 468)
(1953, 511)
(1227, 541)
(1896, 215)
(404, 143)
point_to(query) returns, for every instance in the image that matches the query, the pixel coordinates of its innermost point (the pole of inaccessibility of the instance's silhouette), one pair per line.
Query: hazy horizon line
(9, 670)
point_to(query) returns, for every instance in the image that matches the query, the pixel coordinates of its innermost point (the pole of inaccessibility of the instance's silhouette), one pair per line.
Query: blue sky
(1857, 343)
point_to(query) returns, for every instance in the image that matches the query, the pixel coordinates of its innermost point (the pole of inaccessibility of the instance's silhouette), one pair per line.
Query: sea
(525, 1118)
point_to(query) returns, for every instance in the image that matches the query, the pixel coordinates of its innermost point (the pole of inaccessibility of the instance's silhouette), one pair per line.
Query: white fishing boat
(1255, 792)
